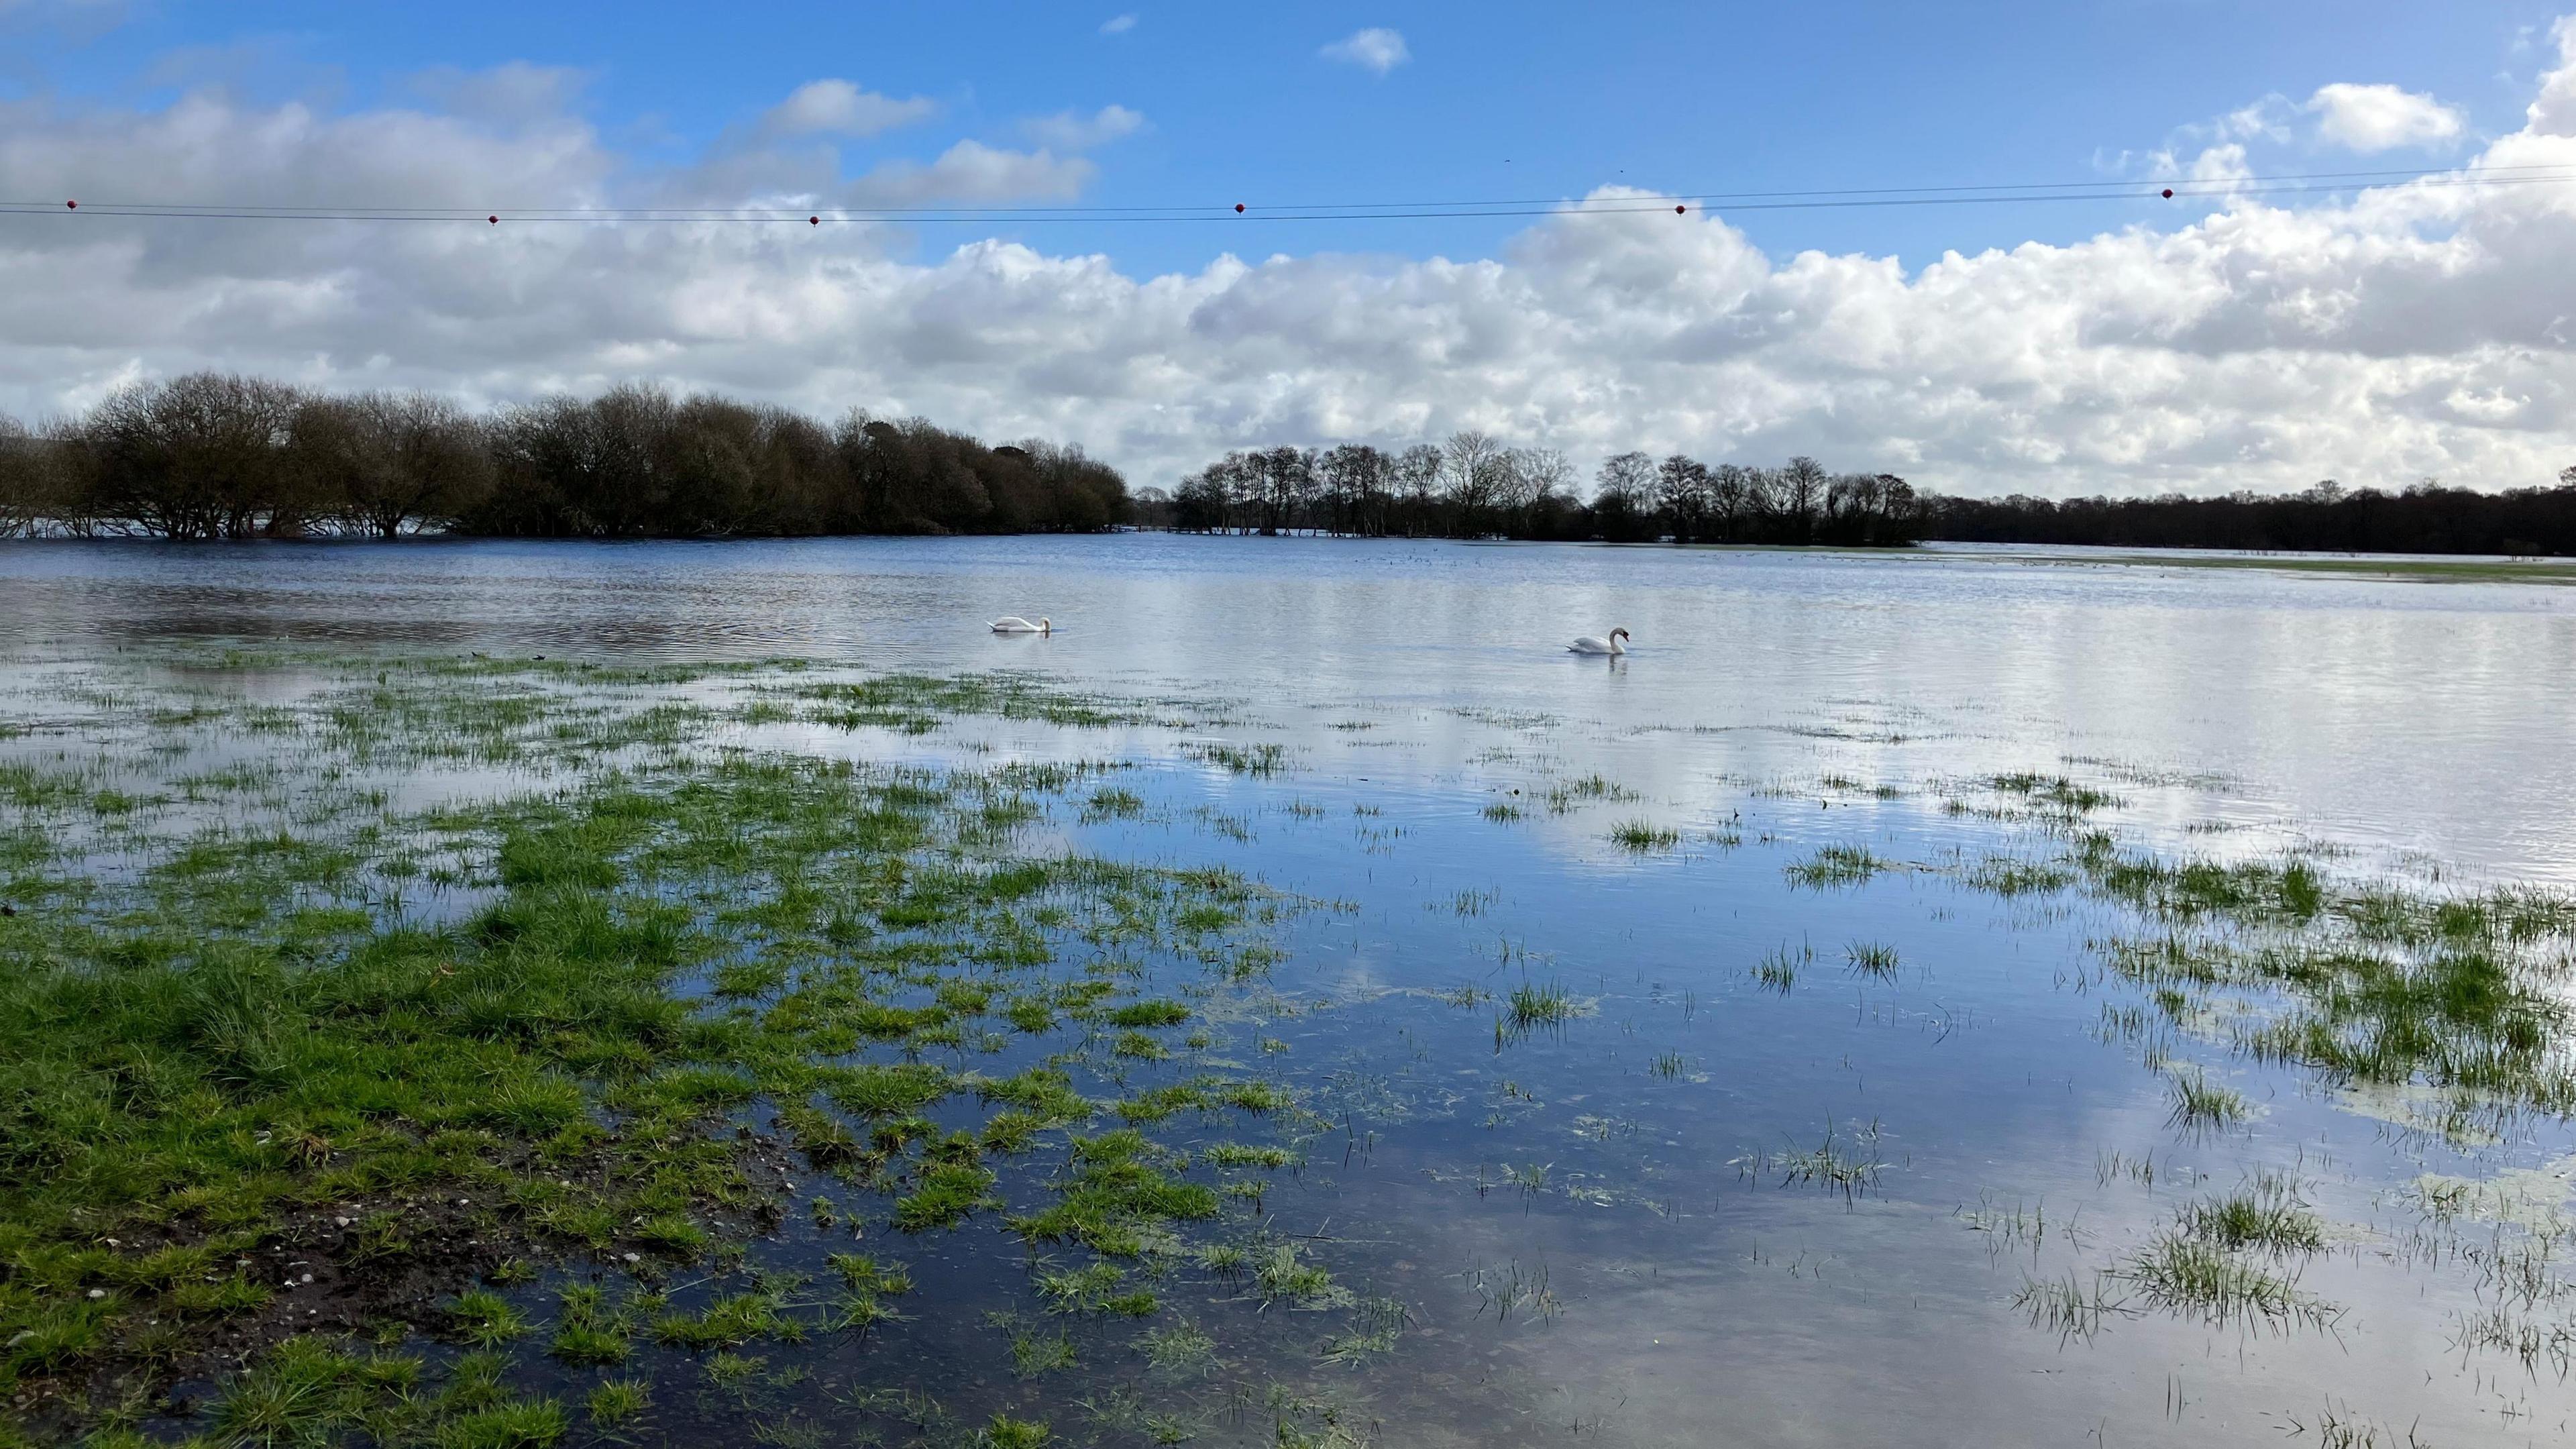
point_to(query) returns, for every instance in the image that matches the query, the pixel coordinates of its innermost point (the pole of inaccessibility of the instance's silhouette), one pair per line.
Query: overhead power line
(2309, 183)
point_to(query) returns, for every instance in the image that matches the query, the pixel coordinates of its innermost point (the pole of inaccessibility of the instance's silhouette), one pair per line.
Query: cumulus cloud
(1375, 49)
(839, 108)
(2382, 118)
(2403, 331)
(1118, 24)
(1074, 131)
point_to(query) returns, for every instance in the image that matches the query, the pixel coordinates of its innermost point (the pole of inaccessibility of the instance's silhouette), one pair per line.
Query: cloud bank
(2407, 331)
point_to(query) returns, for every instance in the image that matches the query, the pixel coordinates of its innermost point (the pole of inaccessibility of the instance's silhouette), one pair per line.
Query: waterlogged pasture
(470, 1050)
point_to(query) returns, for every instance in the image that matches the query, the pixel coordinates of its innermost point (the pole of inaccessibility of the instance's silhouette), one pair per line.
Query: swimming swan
(1617, 643)
(1014, 624)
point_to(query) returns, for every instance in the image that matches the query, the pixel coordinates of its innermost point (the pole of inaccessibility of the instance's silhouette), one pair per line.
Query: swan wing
(1589, 644)
(1013, 624)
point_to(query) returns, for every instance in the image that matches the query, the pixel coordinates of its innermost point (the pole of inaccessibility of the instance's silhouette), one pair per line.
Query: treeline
(215, 456)
(1470, 486)
(1473, 487)
(2425, 518)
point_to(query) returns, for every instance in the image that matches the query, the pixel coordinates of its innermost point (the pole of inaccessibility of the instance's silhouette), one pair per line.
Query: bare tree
(1473, 465)
(202, 456)
(22, 479)
(1355, 478)
(1682, 490)
(391, 462)
(1415, 479)
(1802, 486)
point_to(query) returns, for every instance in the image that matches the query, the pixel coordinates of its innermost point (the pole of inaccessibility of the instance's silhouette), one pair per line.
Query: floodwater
(1598, 1229)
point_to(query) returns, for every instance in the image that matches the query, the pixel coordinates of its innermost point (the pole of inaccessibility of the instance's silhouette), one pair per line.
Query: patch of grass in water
(1112, 803)
(1837, 865)
(1778, 970)
(1532, 1006)
(1005, 1432)
(1643, 836)
(1258, 761)
(1378, 1324)
(1850, 1168)
(1872, 958)
(2266, 1214)
(919, 703)
(618, 1403)
(2180, 1273)
(2054, 792)
(2200, 1104)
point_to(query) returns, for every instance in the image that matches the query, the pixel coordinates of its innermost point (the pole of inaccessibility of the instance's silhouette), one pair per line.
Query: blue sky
(1497, 100)
(2245, 339)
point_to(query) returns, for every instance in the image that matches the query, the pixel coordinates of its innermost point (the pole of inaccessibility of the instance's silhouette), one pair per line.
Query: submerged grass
(645, 989)
(2368, 981)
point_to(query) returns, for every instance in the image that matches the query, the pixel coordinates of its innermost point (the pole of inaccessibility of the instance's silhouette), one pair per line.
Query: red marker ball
(495, 220)
(74, 205)
(2168, 193)
(813, 221)
(1678, 210)
(1238, 207)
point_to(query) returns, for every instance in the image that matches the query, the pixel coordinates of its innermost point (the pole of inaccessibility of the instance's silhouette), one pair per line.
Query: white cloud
(2382, 118)
(1118, 24)
(839, 108)
(1073, 131)
(2405, 331)
(971, 171)
(1375, 49)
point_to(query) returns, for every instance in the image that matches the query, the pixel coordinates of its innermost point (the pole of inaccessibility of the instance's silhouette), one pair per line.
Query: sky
(2239, 337)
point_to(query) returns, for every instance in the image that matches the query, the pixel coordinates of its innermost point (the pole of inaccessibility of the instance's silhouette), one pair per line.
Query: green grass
(2267, 1214)
(1540, 1004)
(1643, 836)
(1846, 1166)
(1837, 865)
(244, 1025)
(1872, 958)
(1778, 970)
(2201, 1104)
(2363, 981)
(1259, 761)
(2187, 1275)
(617, 1403)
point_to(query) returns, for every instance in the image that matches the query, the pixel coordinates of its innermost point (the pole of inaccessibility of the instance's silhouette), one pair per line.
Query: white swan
(1014, 624)
(1617, 643)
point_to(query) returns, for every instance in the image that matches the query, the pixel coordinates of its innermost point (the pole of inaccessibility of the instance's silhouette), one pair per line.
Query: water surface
(1600, 1228)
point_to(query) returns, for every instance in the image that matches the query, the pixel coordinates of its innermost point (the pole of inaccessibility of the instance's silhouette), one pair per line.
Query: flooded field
(683, 994)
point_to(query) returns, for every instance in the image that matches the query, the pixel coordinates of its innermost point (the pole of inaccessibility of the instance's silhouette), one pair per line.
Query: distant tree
(384, 463)
(1732, 502)
(1473, 467)
(1356, 479)
(1623, 497)
(1802, 491)
(1682, 497)
(1414, 479)
(23, 487)
(201, 456)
